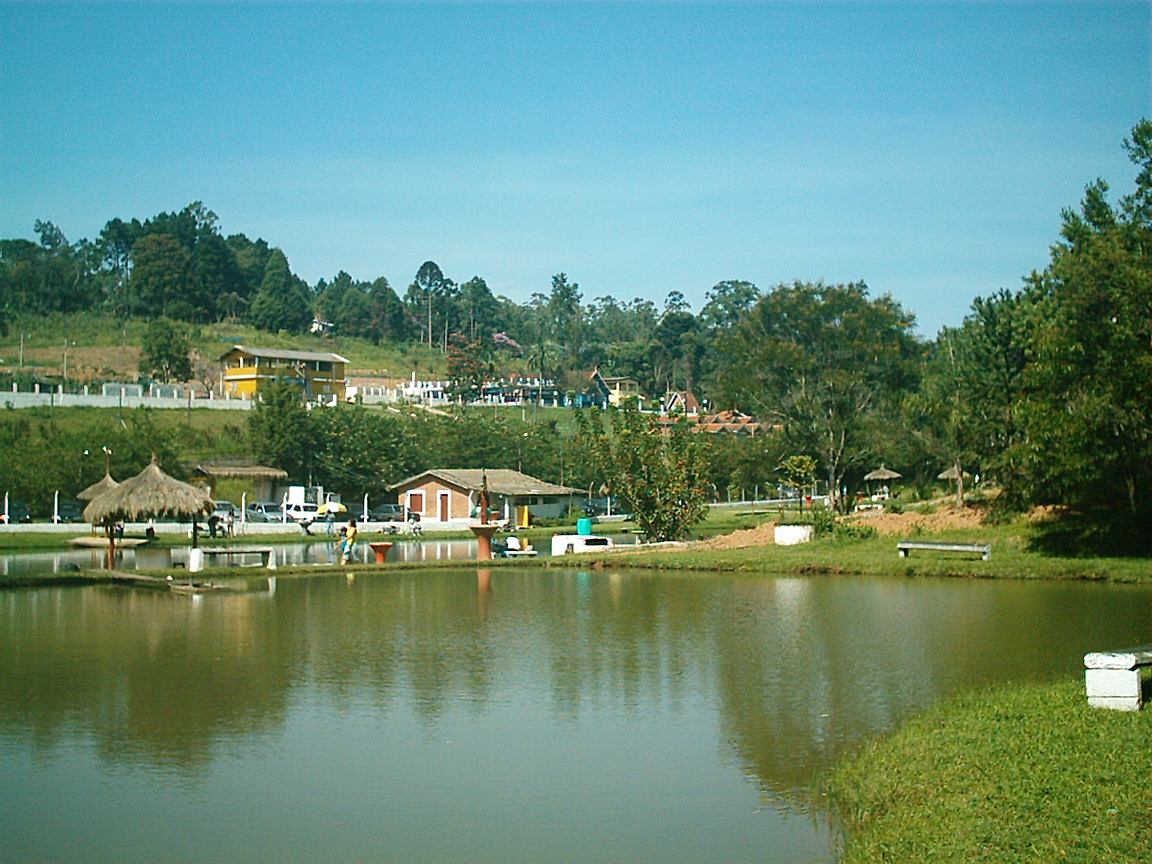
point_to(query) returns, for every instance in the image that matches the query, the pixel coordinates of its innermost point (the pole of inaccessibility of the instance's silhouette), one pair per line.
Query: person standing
(349, 542)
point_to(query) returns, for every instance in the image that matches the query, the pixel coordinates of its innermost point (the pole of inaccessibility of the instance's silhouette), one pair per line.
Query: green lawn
(1025, 773)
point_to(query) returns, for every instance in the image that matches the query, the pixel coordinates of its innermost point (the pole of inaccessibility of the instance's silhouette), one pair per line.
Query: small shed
(450, 496)
(261, 479)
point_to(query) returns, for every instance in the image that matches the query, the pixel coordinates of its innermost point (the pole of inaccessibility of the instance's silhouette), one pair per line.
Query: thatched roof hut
(98, 488)
(150, 493)
(883, 473)
(952, 473)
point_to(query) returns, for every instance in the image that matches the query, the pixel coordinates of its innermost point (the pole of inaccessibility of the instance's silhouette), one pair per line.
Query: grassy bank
(1012, 557)
(1025, 773)
(876, 556)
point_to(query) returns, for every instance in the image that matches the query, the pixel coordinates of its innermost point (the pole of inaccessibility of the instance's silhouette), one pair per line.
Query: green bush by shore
(1023, 773)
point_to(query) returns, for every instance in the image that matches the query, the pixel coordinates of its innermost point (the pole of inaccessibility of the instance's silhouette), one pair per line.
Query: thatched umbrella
(150, 493)
(98, 488)
(882, 475)
(956, 473)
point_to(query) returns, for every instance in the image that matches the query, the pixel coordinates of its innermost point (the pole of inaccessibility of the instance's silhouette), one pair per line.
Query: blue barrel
(584, 526)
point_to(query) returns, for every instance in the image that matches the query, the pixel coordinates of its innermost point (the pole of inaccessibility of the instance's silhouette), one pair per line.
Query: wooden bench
(266, 553)
(1113, 679)
(906, 546)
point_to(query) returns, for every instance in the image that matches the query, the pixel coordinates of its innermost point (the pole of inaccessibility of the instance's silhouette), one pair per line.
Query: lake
(512, 715)
(319, 550)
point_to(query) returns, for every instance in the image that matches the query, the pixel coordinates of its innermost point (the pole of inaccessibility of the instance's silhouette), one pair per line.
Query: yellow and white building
(321, 376)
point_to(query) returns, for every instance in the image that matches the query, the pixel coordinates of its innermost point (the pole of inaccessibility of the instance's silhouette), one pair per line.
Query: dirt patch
(84, 362)
(763, 534)
(944, 518)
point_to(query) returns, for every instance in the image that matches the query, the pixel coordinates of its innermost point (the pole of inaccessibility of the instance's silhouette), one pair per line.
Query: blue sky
(925, 148)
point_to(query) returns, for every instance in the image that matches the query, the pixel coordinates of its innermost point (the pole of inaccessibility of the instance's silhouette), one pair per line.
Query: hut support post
(110, 555)
(959, 486)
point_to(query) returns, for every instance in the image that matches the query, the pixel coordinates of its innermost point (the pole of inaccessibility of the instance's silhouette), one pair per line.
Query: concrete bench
(266, 553)
(906, 546)
(1113, 679)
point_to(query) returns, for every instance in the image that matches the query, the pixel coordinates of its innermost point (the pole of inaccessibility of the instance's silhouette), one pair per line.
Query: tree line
(1043, 389)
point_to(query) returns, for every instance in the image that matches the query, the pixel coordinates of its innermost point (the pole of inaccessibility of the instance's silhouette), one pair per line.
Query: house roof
(683, 400)
(286, 354)
(501, 481)
(733, 421)
(217, 469)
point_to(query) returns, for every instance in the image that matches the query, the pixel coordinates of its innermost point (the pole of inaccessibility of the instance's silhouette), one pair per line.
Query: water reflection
(647, 695)
(318, 551)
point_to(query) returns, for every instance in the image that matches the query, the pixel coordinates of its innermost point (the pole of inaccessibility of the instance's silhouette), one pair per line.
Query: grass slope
(1024, 773)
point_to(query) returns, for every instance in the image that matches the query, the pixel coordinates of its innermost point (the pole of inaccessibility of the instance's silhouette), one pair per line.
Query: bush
(854, 531)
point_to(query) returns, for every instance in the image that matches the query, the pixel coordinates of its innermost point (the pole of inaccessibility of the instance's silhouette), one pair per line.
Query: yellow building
(617, 390)
(320, 376)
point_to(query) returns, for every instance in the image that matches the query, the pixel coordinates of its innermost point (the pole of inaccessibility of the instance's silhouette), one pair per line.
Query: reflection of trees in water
(811, 667)
(153, 677)
(800, 669)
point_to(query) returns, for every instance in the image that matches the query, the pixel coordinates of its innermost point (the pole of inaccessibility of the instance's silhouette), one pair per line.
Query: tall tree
(283, 301)
(161, 276)
(565, 317)
(1087, 411)
(428, 299)
(820, 360)
(469, 366)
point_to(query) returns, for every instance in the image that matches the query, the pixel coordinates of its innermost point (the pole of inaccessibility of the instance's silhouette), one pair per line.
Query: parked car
(387, 513)
(17, 512)
(598, 506)
(69, 511)
(251, 514)
(222, 508)
(270, 509)
(305, 512)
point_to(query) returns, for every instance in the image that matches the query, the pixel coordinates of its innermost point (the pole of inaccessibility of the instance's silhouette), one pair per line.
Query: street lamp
(107, 458)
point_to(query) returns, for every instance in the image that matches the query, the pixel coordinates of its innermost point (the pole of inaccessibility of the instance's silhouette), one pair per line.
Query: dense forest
(1043, 390)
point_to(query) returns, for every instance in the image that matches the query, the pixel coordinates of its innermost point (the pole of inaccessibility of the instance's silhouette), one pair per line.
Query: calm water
(529, 715)
(316, 551)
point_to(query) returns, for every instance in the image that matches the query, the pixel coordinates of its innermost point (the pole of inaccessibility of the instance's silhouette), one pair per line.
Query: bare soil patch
(945, 517)
(104, 361)
(763, 534)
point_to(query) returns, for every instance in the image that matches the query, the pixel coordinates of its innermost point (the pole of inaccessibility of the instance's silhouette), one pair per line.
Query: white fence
(118, 397)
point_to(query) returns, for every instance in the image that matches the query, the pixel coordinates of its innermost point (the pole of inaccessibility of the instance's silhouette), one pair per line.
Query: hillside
(90, 348)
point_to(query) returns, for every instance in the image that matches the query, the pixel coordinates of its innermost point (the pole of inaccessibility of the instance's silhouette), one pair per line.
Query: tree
(165, 352)
(1086, 407)
(478, 309)
(283, 301)
(660, 473)
(820, 360)
(161, 276)
(428, 298)
(565, 318)
(280, 431)
(469, 367)
(359, 451)
(674, 351)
